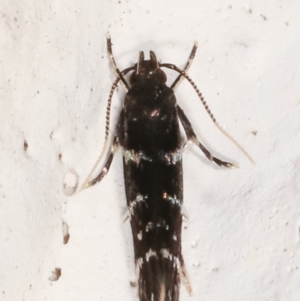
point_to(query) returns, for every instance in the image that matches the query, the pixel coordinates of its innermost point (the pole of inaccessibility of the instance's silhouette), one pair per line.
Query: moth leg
(187, 66)
(185, 278)
(192, 136)
(106, 167)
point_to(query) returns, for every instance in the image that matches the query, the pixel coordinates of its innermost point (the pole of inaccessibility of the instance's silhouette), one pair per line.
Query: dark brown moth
(148, 132)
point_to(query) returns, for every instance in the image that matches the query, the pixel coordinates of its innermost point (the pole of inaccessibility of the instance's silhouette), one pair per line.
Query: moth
(149, 133)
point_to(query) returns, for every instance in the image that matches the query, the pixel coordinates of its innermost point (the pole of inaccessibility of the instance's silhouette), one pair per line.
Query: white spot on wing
(165, 253)
(131, 207)
(138, 265)
(176, 262)
(131, 155)
(149, 226)
(139, 198)
(149, 254)
(173, 157)
(139, 262)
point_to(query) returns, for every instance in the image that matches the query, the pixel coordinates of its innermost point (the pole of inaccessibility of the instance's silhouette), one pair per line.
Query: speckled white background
(242, 238)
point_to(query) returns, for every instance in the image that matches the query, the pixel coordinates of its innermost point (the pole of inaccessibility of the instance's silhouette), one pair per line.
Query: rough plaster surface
(242, 238)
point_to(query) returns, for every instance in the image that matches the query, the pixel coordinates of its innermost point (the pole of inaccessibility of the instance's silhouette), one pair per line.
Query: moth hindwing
(148, 132)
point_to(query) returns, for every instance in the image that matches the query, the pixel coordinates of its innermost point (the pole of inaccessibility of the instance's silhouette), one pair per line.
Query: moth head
(148, 70)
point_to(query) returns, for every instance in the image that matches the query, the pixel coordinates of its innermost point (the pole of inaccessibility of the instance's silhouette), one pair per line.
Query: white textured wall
(242, 238)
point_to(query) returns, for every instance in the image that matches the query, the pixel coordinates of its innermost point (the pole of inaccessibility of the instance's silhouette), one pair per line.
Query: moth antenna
(112, 59)
(173, 67)
(109, 50)
(86, 183)
(187, 66)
